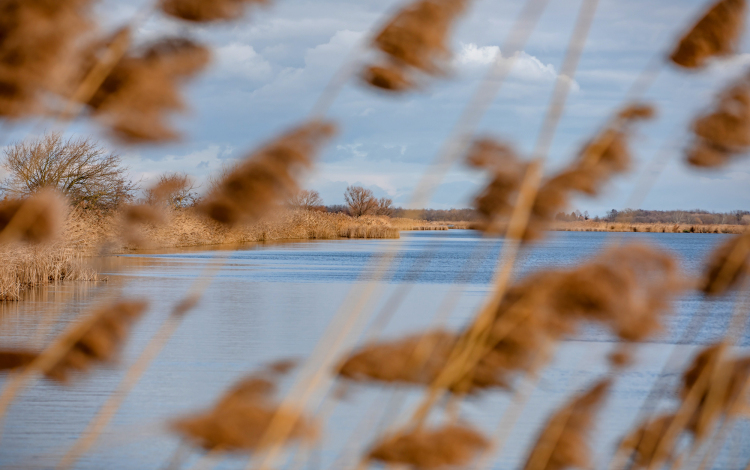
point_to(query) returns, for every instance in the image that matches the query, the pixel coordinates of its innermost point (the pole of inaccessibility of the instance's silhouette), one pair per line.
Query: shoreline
(592, 226)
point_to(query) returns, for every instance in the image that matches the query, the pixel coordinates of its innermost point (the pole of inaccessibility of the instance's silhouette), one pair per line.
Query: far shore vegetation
(107, 216)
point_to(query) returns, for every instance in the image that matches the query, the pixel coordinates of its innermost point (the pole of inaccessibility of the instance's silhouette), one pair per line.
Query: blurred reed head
(716, 34)
(16, 358)
(36, 219)
(102, 337)
(239, 420)
(724, 132)
(141, 92)
(727, 266)
(415, 360)
(451, 445)
(38, 41)
(267, 177)
(506, 171)
(203, 11)
(415, 40)
(715, 373)
(604, 156)
(563, 442)
(643, 442)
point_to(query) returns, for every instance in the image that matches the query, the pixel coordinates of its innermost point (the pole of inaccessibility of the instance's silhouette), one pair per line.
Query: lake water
(271, 301)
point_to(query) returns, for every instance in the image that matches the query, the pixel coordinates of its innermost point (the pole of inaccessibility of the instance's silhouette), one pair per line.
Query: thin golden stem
(470, 349)
(450, 152)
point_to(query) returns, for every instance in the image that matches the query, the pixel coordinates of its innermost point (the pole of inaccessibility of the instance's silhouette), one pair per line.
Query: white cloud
(526, 67)
(241, 60)
(471, 54)
(354, 149)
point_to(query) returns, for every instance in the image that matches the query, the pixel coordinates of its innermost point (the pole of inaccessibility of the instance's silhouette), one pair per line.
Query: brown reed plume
(601, 158)
(16, 358)
(266, 177)
(723, 133)
(716, 34)
(604, 156)
(416, 39)
(153, 211)
(728, 380)
(563, 443)
(102, 339)
(415, 360)
(628, 288)
(37, 44)
(141, 91)
(713, 386)
(451, 445)
(506, 170)
(643, 442)
(239, 419)
(36, 219)
(202, 11)
(727, 265)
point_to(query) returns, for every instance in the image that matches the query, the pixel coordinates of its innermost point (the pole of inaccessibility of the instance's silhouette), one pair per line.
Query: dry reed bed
(402, 223)
(86, 233)
(591, 226)
(26, 267)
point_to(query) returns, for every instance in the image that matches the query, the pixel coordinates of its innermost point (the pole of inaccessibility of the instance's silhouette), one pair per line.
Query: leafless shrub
(201, 11)
(447, 446)
(80, 169)
(137, 96)
(306, 199)
(360, 201)
(267, 177)
(37, 39)
(385, 207)
(717, 33)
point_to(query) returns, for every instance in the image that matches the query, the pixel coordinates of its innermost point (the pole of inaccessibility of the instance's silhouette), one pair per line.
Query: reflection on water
(274, 300)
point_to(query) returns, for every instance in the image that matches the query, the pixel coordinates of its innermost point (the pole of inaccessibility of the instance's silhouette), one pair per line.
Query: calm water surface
(273, 301)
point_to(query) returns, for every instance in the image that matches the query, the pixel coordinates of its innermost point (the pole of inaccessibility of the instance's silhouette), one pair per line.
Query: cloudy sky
(269, 69)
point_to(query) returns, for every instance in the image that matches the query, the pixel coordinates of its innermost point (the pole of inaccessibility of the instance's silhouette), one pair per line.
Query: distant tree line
(642, 216)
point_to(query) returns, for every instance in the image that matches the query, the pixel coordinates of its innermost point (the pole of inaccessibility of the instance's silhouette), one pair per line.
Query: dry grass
(27, 267)
(591, 226)
(413, 224)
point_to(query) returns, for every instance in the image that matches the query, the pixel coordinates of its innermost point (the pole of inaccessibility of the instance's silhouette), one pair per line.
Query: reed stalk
(471, 348)
(449, 153)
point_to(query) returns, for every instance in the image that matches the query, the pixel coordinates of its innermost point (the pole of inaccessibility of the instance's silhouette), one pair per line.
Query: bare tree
(385, 206)
(80, 169)
(361, 201)
(306, 199)
(174, 189)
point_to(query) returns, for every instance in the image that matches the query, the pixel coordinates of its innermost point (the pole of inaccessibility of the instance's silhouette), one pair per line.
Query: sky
(269, 68)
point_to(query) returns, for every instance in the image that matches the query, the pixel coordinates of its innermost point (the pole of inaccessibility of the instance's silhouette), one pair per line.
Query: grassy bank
(25, 267)
(591, 226)
(88, 233)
